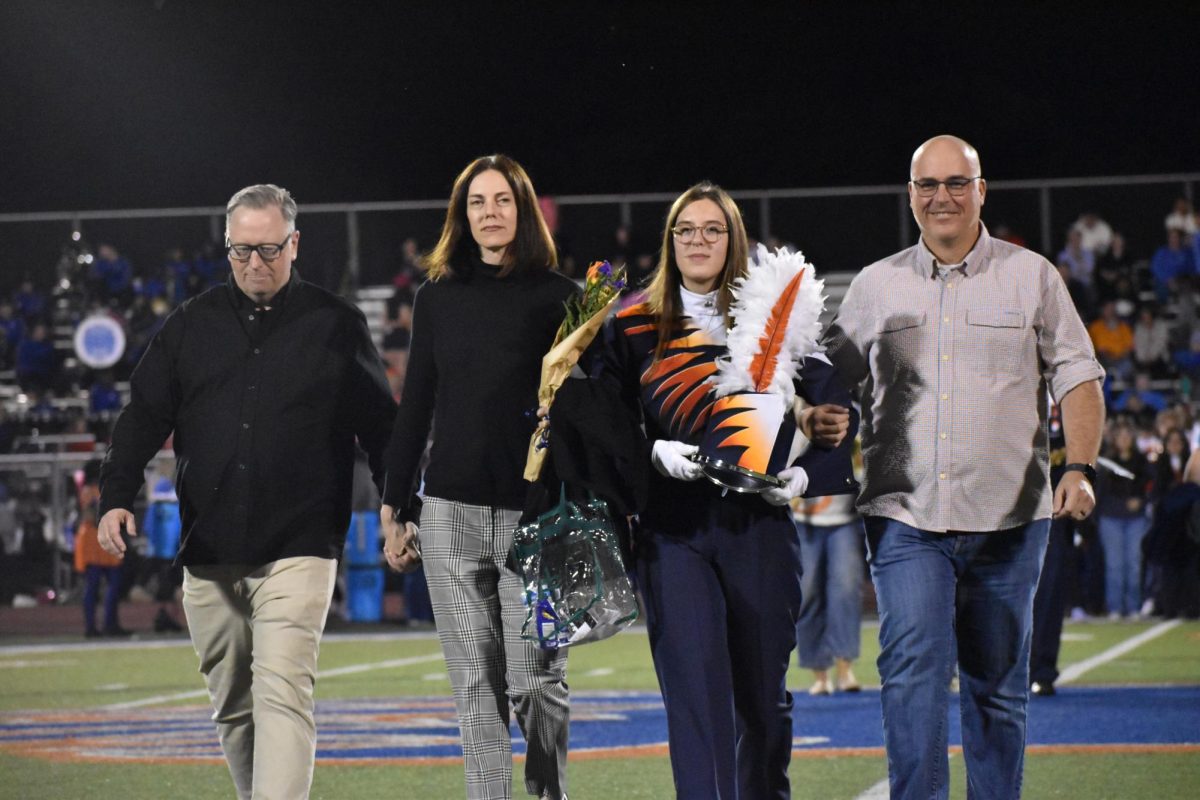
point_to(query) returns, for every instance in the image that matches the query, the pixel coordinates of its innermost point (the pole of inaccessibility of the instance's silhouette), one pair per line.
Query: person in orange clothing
(1113, 339)
(94, 562)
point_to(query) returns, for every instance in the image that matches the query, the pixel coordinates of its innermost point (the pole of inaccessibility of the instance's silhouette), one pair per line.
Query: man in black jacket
(265, 382)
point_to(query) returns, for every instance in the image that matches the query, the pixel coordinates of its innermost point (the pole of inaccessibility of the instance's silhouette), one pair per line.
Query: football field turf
(130, 720)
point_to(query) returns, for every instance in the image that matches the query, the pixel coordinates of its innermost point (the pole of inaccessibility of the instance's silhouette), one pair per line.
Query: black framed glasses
(957, 187)
(267, 252)
(710, 233)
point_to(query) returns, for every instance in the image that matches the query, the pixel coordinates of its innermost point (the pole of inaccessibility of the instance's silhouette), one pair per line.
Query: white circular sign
(99, 341)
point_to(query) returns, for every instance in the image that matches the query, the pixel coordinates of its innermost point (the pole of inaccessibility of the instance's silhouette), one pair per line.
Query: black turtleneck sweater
(473, 371)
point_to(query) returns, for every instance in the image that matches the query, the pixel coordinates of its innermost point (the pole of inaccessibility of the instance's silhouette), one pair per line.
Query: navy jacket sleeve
(830, 471)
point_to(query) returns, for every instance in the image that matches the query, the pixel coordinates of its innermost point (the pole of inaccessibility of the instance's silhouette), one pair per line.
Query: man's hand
(109, 530)
(1074, 496)
(401, 547)
(825, 425)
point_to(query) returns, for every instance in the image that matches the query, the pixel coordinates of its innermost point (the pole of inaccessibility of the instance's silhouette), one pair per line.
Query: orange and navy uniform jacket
(673, 398)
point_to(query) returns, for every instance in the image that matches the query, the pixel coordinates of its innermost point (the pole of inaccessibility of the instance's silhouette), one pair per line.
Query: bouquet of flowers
(586, 312)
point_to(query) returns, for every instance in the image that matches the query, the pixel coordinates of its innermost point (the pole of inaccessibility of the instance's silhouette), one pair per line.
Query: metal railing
(841, 228)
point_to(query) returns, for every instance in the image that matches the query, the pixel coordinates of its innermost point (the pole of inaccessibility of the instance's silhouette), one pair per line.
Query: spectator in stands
(1181, 217)
(1122, 520)
(8, 430)
(1151, 343)
(177, 273)
(1095, 235)
(1114, 277)
(104, 397)
(11, 330)
(1007, 234)
(1081, 296)
(1080, 261)
(1141, 401)
(36, 360)
(112, 275)
(1113, 339)
(1170, 262)
(30, 302)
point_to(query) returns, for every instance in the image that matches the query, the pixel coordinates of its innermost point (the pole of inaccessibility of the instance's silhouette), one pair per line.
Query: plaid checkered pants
(478, 606)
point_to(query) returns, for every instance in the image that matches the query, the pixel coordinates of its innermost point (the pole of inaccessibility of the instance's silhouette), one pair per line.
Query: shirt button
(945, 319)
(945, 396)
(246, 426)
(949, 285)
(943, 436)
(252, 387)
(251, 316)
(257, 351)
(241, 466)
(942, 476)
(945, 358)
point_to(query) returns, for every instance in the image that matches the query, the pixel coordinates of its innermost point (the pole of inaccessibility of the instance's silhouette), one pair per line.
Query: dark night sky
(136, 103)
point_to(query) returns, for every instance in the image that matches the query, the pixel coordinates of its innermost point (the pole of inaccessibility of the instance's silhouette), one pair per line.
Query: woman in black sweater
(480, 328)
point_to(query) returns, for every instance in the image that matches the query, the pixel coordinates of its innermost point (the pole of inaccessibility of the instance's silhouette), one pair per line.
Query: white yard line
(880, 790)
(1072, 672)
(353, 669)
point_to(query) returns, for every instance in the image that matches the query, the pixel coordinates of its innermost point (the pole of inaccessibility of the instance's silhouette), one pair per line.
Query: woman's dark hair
(532, 247)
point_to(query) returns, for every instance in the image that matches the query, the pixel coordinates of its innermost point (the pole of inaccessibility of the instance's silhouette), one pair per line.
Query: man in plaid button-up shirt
(953, 344)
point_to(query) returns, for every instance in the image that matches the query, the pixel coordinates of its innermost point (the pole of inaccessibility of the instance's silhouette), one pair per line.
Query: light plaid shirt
(954, 367)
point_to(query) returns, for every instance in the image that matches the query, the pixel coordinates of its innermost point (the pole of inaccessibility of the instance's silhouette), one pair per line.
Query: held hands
(1074, 496)
(401, 547)
(108, 531)
(825, 425)
(672, 460)
(796, 482)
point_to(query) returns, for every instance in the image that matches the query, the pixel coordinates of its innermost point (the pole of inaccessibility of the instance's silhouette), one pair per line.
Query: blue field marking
(425, 728)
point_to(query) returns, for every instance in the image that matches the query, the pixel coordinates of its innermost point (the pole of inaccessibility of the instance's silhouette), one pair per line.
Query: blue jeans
(945, 593)
(831, 612)
(1121, 538)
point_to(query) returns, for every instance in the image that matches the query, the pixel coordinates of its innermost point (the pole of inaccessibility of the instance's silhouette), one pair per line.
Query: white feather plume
(755, 295)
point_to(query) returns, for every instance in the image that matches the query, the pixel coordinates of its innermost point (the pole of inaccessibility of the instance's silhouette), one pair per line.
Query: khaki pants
(257, 633)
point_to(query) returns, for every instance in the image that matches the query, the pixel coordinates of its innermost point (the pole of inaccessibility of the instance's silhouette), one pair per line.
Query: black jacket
(265, 407)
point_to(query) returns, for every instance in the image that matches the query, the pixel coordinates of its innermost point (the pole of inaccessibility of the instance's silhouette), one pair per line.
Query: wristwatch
(1088, 471)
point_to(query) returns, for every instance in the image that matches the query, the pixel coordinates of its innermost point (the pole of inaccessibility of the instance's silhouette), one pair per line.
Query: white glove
(796, 482)
(670, 458)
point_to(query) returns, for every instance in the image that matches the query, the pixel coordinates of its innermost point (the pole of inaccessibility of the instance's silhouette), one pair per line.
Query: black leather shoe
(165, 623)
(1043, 689)
(117, 632)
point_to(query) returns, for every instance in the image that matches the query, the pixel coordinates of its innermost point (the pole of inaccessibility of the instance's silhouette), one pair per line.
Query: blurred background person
(96, 565)
(831, 557)
(1122, 521)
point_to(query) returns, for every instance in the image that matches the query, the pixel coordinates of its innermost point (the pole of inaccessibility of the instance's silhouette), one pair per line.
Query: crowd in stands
(1141, 306)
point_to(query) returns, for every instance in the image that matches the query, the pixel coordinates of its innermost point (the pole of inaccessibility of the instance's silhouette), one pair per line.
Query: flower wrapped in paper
(585, 315)
(750, 430)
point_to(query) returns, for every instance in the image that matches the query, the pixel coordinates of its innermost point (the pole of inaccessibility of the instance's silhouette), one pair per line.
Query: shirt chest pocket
(996, 340)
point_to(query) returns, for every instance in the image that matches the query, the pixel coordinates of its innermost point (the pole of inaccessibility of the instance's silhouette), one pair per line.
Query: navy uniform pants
(721, 605)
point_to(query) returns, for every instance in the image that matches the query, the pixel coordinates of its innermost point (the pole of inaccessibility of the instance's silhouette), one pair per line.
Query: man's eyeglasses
(267, 252)
(711, 233)
(957, 187)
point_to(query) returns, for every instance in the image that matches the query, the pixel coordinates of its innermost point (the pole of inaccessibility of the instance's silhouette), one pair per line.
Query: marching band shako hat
(747, 441)
(750, 430)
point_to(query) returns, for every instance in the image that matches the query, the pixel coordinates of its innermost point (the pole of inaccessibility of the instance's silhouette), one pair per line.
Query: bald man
(953, 344)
